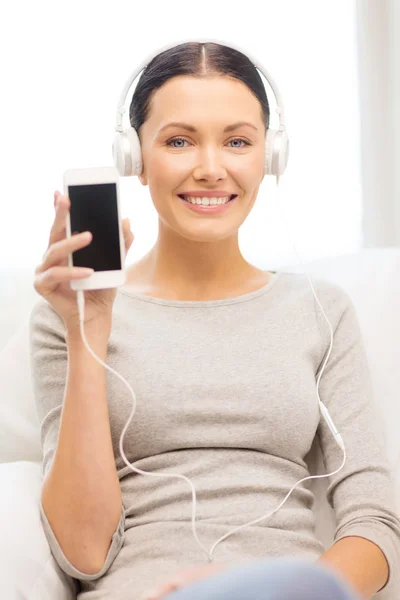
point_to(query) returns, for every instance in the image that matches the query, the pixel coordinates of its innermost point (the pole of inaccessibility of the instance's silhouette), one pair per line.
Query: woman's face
(176, 160)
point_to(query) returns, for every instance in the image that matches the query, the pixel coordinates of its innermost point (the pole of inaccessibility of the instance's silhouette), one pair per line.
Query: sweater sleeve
(362, 493)
(49, 361)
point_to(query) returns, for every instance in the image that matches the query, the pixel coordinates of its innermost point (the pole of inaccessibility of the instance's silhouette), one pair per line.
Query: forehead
(197, 99)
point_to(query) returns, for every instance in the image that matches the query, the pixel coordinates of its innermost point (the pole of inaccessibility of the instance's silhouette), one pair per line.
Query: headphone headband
(121, 101)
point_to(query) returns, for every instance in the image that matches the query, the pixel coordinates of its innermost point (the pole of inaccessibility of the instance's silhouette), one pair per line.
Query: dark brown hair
(190, 59)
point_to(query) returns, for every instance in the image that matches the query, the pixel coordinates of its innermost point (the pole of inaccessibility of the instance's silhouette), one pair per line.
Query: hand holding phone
(53, 275)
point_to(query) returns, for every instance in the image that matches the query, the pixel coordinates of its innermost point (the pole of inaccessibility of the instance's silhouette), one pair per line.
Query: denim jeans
(279, 578)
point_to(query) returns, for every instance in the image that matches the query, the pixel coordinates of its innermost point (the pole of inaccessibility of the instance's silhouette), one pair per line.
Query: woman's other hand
(182, 578)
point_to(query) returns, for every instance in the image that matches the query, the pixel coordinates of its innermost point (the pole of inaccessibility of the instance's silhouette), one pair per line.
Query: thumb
(128, 235)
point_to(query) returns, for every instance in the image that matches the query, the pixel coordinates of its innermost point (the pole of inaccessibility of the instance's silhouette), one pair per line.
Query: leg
(269, 579)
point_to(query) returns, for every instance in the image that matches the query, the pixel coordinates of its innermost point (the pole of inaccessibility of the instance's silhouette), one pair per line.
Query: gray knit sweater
(226, 395)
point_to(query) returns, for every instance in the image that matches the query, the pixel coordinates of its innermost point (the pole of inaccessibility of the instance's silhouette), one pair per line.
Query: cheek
(166, 164)
(248, 174)
(247, 168)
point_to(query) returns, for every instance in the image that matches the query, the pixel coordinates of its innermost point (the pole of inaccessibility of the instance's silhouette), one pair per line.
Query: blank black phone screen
(94, 208)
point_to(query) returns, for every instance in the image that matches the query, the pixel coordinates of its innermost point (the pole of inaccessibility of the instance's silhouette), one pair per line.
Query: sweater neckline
(276, 275)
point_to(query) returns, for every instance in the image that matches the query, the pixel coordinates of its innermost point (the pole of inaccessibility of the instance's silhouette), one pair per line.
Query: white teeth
(206, 201)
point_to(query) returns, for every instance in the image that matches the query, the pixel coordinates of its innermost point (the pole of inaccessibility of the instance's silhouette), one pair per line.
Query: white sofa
(27, 567)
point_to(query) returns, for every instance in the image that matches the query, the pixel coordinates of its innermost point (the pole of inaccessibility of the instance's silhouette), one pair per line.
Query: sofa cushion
(27, 567)
(19, 423)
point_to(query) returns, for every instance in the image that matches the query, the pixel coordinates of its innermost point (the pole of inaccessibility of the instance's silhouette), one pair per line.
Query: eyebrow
(191, 128)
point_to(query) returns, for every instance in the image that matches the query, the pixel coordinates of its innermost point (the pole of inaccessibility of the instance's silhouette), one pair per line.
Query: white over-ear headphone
(126, 147)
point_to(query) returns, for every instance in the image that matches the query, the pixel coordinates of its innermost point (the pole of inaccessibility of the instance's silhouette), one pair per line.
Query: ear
(143, 178)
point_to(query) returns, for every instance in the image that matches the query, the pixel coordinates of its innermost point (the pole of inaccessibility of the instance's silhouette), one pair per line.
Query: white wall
(65, 64)
(378, 58)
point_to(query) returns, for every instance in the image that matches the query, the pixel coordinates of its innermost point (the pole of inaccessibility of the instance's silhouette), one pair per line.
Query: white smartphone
(95, 206)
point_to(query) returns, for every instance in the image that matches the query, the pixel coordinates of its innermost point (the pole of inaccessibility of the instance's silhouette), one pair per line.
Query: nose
(211, 165)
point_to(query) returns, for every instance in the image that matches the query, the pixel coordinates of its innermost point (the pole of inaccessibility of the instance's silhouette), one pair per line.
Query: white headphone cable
(324, 411)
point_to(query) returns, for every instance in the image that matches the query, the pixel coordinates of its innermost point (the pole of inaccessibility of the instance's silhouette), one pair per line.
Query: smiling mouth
(233, 196)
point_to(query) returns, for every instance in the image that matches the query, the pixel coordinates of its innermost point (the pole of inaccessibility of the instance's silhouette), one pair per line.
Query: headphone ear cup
(127, 153)
(276, 152)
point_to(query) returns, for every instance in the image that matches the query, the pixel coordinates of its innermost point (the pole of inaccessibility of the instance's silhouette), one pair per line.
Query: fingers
(183, 578)
(128, 235)
(56, 195)
(58, 251)
(46, 281)
(161, 591)
(61, 207)
(54, 268)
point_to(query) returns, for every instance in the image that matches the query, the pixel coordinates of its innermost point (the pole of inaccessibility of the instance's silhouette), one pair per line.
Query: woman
(223, 358)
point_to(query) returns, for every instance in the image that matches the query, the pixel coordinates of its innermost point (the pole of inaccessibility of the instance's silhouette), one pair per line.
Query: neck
(195, 268)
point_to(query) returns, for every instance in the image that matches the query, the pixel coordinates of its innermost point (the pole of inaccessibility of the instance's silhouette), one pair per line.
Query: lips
(183, 197)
